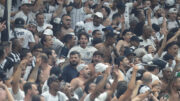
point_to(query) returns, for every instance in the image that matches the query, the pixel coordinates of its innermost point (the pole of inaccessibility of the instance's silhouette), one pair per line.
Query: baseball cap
(57, 20)
(100, 67)
(160, 63)
(128, 51)
(19, 22)
(172, 10)
(81, 67)
(108, 28)
(135, 38)
(169, 3)
(156, 8)
(147, 58)
(99, 14)
(48, 32)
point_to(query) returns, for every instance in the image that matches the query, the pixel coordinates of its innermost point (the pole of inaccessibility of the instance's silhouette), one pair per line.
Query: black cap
(160, 63)
(121, 5)
(108, 28)
(135, 38)
(19, 22)
(128, 51)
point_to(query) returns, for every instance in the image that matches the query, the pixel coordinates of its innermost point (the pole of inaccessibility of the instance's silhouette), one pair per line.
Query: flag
(6, 18)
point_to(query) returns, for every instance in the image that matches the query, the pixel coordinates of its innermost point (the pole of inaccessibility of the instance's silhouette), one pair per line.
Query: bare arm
(17, 76)
(149, 17)
(9, 95)
(34, 74)
(59, 10)
(135, 91)
(174, 37)
(128, 93)
(100, 85)
(141, 97)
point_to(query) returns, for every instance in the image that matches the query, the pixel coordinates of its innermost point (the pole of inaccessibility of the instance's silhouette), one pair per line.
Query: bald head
(147, 77)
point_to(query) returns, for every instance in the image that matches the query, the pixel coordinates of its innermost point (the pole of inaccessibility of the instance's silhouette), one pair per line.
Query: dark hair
(171, 33)
(48, 52)
(167, 57)
(51, 79)
(146, 48)
(115, 16)
(63, 18)
(75, 52)
(94, 32)
(107, 10)
(67, 37)
(121, 88)
(27, 86)
(36, 98)
(83, 33)
(125, 31)
(40, 13)
(170, 45)
(23, 53)
(96, 41)
(37, 46)
(98, 53)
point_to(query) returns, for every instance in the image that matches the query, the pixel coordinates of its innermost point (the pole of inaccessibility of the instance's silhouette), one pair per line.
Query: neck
(27, 98)
(44, 66)
(52, 92)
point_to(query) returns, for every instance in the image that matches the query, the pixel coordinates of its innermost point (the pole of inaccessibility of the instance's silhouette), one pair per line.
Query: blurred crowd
(90, 50)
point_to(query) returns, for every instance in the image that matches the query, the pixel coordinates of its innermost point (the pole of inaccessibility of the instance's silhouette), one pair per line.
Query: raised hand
(2, 26)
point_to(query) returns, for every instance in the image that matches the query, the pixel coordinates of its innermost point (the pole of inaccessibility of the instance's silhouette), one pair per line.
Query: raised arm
(34, 74)
(128, 92)
(60, 8)
(135, 91)
(17, 76)
(9, 95)
(100, 86)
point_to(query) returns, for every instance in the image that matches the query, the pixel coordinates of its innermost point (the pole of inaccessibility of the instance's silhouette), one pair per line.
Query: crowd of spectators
(90, 50)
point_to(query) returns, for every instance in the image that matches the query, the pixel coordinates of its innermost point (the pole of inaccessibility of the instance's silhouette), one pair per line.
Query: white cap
(72, 33)
(100, 67)
(80, 24)
(48, 32)
(26, 2)
(156, 8)
(147, 58)
(81, 67)
(170, 2)
(99, 14)
(88, 16)
(57, 20)
(172, 10)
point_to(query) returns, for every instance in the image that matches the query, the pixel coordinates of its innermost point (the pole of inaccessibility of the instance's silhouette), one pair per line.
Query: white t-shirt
(1, 10)
(42, 28)
(86, 53)
(101, 97)
(146, 42)
(172, 24)
(27, 18)
(19, 96)
(59, 97)
(89, 27)
(154, 77)
(23, 34)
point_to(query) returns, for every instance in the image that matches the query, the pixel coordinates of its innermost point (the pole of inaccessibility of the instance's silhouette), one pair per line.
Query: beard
(73, 63)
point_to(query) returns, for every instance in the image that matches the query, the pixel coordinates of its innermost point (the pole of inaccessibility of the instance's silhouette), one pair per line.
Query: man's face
(40, 20)
(86, 72)
(125, 62)
(167, 74)
(172, 16)
(83, 41)
(127, 36)
(97, 58)
(48, 42)
(98, 34)
(34, 90)
(55, 85)
(173, 50)
(66, 22)
(29, 57)
(148, 33)
(112, 40)
(74, 59)
(96, 21)
(73, 41)
(54, 55)
(25, 9)
(147, 3)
